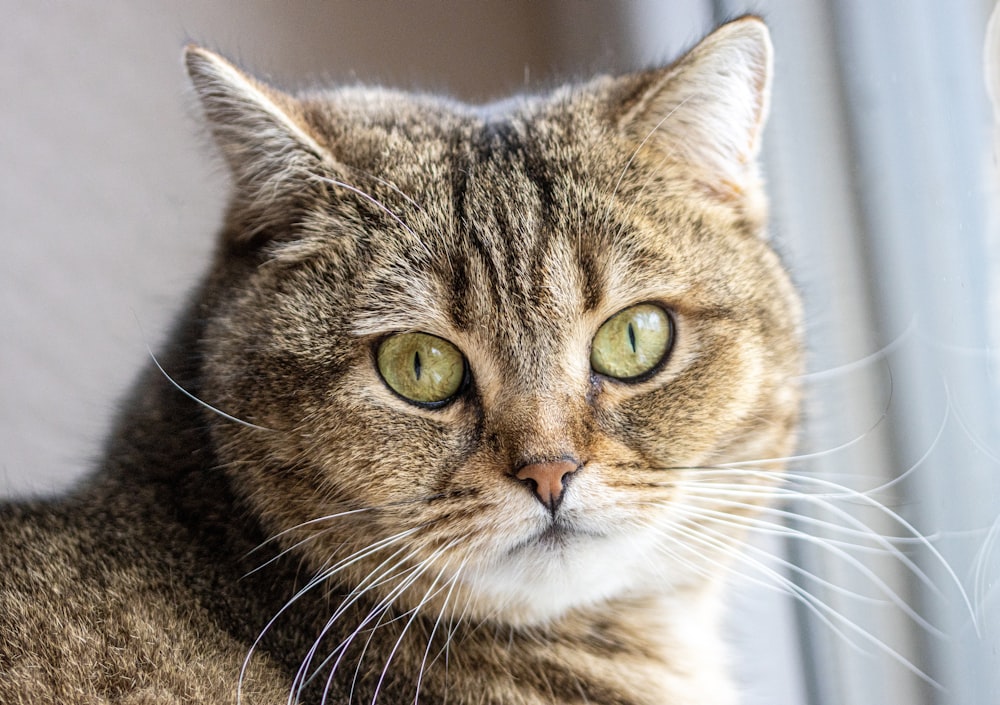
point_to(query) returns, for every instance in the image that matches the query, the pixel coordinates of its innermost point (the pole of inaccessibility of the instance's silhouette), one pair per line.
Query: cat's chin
(559, 569)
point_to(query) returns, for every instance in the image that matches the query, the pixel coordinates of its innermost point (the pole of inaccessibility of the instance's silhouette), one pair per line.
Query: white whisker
(412, 574)
(220, 412)
(737, 490)
(777, 582)
(635, 153)
(429, 594)
(977, 441)
(724, 519)
(437, 622)
(301, 542)
(865, 499)
(813, 455)
(189, 395)
(980, 576)
(319, 579)
(378, 204)
(371, 581)
(880, 354)
(701, 536)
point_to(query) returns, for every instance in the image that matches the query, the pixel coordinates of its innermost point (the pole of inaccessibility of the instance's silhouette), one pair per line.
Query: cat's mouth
(555, 535)
(558, 535)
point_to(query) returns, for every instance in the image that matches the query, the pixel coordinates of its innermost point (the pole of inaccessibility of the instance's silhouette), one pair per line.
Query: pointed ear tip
(192, 52)
(748, 24)
(749, 28)
(194, 57)
(750, 37)
(200, 60)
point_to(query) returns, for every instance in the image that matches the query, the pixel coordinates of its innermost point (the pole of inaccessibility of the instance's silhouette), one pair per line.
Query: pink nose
(547, 480)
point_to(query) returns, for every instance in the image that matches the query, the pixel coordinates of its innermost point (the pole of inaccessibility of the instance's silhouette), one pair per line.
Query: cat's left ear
(263, 138)
(708, 109)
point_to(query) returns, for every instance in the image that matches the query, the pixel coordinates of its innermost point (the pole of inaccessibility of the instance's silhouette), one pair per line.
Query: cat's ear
(262, 136)
(708, 108)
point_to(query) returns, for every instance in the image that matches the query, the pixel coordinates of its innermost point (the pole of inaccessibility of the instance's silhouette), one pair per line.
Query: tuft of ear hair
(708, 108)
(262, 136)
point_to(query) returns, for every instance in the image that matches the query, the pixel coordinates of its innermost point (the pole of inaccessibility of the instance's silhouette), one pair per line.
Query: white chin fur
(544, 579)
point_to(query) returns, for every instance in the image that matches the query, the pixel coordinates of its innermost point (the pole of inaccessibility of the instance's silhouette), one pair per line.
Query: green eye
(632, 342)
(420, 367)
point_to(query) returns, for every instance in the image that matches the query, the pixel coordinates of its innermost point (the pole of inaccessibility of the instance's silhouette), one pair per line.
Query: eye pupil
(416, 364)
(631, 337)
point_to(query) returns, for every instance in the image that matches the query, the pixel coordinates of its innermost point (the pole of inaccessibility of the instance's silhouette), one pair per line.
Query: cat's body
(553, 526)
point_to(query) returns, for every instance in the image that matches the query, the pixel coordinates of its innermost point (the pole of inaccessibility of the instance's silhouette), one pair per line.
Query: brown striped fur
(513, 231)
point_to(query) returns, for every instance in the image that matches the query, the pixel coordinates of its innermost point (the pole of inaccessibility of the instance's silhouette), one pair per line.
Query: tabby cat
(449, 418)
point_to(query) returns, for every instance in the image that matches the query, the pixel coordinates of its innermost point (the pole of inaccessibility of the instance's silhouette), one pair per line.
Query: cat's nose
(547, 479)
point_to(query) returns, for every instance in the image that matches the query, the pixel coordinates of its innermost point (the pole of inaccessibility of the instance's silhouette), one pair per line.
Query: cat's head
(502, 350)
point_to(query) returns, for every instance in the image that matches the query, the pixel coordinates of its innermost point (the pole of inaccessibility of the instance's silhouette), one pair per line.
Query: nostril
(547, 479)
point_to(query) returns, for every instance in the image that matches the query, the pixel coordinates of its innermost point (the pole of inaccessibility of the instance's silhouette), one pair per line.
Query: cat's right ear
(262, 136)
(708, 109)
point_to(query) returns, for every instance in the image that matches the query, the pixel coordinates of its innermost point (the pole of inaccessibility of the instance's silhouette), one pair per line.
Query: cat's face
(498, 351)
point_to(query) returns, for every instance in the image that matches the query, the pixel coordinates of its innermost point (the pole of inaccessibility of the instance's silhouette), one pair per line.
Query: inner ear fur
(708, 109)
(265, 142)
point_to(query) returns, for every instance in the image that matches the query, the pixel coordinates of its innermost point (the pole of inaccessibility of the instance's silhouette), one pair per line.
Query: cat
(448, 419)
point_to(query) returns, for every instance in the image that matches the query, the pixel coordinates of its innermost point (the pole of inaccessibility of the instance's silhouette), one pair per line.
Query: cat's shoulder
(85, 617)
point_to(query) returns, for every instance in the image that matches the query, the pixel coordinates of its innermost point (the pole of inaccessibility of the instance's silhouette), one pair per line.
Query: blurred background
(879, 580)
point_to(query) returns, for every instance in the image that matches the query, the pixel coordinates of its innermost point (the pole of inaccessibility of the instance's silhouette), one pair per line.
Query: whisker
(727, 492)
(868, 534)
(378, 204)
(900, 477)
(981, 588)
(680, 558)
(358, 555)
(879, 354)
(736, 490)
(189, 395)
(816, 454)
(339, 515)
(720, 543)
(390, 185)
(724, 519)
(341, 649)
(302, 677)
(429, 594)
(635, 153)
(865, 499)
(697, 514)
(437, 623)
(310, 522)
(372, 580)
(780, 583)
(416, 572)
(301, 542)
(977, 441)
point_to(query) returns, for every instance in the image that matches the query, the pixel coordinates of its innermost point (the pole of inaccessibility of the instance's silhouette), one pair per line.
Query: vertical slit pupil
(416, 364)
(631, 337)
